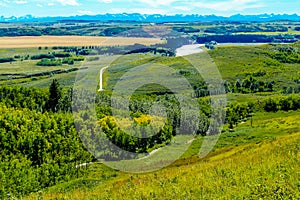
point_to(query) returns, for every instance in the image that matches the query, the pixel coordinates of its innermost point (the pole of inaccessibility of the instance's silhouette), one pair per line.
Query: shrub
(271, 105)
(61, 54)
(41, 56)
(285, 103)
(49, 62)
(4, 60)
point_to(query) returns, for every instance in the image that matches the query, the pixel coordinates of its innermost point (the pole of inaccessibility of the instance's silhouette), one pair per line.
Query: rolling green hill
(256, 157)
(251, 163)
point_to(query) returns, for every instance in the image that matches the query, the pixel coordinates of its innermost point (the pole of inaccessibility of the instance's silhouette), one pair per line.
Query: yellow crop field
(50, 41)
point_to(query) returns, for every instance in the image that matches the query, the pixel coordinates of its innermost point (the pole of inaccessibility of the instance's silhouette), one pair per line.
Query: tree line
(247, 38)
(39, 145)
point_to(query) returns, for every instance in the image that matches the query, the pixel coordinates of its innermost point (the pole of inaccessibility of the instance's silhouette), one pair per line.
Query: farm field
(51, 41)
(290, 31)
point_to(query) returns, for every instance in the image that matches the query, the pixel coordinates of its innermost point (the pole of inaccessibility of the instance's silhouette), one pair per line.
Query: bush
(285, 103)
(61, 54)
(271, 105)
(78, 58)
(4, 60)
(69, 61)
(49, 62)
(41, 56)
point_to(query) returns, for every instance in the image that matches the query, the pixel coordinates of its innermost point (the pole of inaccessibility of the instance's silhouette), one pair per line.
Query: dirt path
(101, 78)
(151, 153)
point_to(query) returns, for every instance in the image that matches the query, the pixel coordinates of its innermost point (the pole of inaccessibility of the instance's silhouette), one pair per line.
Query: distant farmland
(50, 41)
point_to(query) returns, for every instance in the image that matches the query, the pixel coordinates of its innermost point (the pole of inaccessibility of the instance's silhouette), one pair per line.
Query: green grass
(253, 162)
(290, 32)
(238, 62)
(22, 52)
(65, 80)
(250, 162)
(245, 98)
(233, 63)
(20, 68)
(265, 126)
(258, 161)
(30, 67)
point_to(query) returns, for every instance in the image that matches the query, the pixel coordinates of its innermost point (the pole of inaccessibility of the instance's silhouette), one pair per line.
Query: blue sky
(169, 7)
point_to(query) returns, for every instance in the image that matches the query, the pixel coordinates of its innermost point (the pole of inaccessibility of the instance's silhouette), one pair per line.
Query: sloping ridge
(265, 169)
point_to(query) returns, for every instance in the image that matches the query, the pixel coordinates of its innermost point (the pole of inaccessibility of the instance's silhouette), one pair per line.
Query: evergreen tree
(54, 96)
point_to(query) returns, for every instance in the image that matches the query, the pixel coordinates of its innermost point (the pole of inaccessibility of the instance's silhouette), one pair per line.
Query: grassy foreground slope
(251, 163)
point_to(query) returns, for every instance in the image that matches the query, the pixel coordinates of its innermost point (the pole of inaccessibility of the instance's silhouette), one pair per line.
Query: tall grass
(264, 166)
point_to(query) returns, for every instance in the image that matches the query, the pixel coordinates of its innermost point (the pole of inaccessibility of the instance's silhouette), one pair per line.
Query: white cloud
(187, 6)
(231, 5)
(4, 3)
(21, 2)
(85, 12)
(39, 5)
(106, 1)
(157, 3)
(50, 4)
(183, 8)
(138, 10)
(68, 2)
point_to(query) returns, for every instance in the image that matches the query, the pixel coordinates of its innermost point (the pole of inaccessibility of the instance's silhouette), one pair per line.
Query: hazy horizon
(53, 8)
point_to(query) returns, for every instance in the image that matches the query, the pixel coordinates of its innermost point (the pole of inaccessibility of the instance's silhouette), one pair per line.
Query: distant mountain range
(156, 18)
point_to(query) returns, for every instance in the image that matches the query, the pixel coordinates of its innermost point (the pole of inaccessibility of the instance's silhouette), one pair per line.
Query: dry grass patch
(50, 41)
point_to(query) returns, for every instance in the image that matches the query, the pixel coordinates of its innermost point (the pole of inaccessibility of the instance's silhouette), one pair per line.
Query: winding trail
(101, 78)
(151, 153)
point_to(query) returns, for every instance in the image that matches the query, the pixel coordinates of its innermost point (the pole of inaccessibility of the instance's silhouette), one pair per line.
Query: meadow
(253, 162)
(256, 156)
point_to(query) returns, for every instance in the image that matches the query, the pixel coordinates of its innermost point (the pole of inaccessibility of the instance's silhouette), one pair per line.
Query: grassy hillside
(234, 64)
(251, 163)
(256, 156)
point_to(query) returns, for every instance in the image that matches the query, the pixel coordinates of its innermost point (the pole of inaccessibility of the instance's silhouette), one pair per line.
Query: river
(198, 48)
(189, 49)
